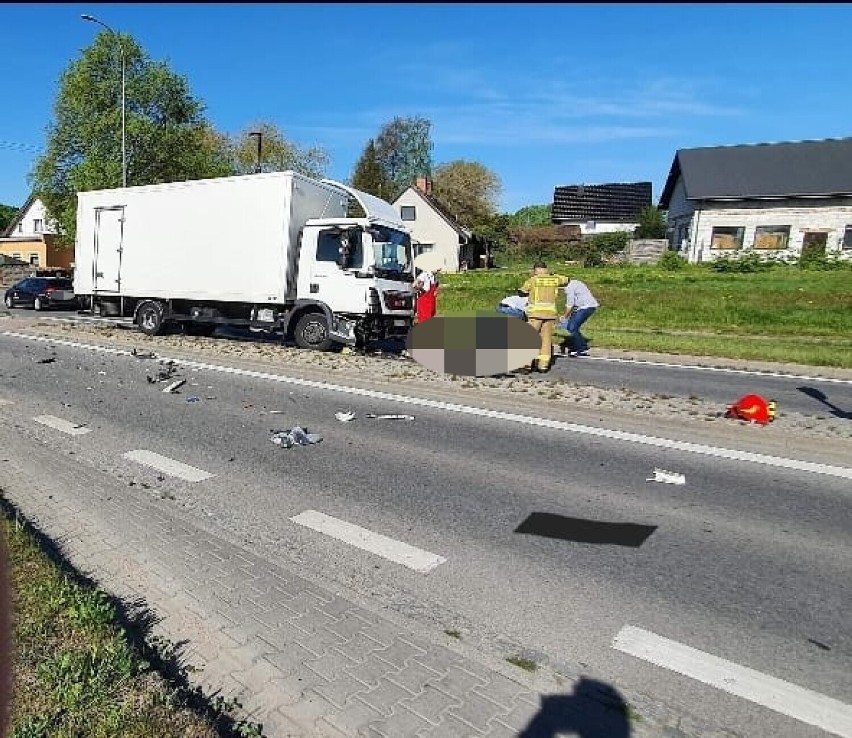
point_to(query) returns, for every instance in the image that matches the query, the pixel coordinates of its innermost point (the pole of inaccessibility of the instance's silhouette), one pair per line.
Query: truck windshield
(391, 251)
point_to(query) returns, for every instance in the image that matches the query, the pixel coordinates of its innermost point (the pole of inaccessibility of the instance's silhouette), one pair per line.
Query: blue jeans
(506, 310)
(578, 341)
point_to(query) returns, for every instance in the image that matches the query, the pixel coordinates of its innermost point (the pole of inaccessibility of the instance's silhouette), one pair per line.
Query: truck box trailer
(274, 251)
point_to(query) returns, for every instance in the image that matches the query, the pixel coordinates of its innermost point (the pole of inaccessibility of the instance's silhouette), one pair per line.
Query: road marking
(6, 402)
(726, 370)
(366, 540)
(72, 429)
(842, 472)
(168, 466)
(776, 694)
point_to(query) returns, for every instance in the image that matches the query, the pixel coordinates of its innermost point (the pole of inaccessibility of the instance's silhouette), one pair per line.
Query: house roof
(19, 216)
(789, 169)
(441, 209)
(615, 202)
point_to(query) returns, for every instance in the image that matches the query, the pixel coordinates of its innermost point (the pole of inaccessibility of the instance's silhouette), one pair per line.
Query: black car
(41, 293)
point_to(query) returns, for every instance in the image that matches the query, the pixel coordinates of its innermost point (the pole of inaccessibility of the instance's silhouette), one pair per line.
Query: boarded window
(847, 238)
(727, 237)
(407, 212)
(771, 237)
(34, 260)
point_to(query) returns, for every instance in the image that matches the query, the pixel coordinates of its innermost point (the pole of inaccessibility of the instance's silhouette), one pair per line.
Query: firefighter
(542, 289)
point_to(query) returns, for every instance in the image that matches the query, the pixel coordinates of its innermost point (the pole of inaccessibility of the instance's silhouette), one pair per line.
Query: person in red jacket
(426, 288)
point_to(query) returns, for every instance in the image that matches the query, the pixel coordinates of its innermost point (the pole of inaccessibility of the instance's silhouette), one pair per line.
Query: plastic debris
(164, 374)
(48, 360)
(345, 417)
(103, 374)
(390, 417)
(754, 409)
(667, 477)
(296, 436)
(276, 412)
(193, 399)
(174, 385)
(143, 354)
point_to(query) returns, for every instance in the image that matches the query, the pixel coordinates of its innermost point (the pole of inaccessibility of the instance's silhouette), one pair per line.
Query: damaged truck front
(274, 252)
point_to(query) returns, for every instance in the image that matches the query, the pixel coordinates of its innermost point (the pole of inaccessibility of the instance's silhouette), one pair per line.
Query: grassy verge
(84, 666)
(783, 314)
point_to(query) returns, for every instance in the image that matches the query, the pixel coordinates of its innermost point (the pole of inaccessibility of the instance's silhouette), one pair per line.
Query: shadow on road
(594, 710)
(820, 396)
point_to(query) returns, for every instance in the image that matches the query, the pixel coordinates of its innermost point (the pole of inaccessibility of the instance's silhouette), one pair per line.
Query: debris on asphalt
(754, 409)
(164, 373)
(667, 477)
(345, 417)
(143, 354)
(174, 385)
(276, 412)
(296, 436)
(193, 399)
(390, 417)
(48, 360)
(103, 374)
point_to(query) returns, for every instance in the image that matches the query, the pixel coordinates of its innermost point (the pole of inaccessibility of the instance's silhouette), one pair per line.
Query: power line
(15, 146)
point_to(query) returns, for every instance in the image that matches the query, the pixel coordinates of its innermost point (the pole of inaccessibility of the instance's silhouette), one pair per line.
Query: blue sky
(542, 94)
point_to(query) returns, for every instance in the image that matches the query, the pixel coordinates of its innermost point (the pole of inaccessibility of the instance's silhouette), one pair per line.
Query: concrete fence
(646, 250)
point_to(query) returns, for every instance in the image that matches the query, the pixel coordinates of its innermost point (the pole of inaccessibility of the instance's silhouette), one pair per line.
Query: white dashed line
(72, 429)
(695, 448)
(788, 699)
(6, 402)
(722, 369)
(168, 466)
(366, 540)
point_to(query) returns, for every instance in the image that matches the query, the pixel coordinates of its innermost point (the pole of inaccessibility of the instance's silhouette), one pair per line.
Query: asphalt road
(805, 394)
(750, 564)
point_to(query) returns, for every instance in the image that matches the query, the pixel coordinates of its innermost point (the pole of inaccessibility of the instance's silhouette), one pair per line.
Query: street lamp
(92, 19)
(259, 139)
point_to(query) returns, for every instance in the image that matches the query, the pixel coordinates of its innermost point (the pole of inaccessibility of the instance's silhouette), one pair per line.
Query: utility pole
(259, 139)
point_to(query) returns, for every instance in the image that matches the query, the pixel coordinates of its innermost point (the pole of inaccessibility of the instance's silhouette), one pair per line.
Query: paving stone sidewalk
(303, 660)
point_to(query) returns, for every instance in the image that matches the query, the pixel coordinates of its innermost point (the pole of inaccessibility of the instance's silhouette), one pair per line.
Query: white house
(433, 228)
(602, 208)
(774, 198)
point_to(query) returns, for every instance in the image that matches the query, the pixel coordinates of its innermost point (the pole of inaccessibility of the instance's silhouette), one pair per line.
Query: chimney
(424, 184)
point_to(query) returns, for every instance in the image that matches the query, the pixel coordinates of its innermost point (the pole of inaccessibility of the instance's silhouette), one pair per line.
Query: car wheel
(312, 332)
(38, 304)
(9, 302)
(149, 317)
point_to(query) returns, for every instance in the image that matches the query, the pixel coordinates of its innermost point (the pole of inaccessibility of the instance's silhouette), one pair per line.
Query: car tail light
(50, 289)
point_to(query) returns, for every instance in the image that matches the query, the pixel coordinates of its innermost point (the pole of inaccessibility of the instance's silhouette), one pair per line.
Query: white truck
(276, 252)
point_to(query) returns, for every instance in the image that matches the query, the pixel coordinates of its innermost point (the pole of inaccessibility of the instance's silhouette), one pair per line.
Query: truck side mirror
(345, 252)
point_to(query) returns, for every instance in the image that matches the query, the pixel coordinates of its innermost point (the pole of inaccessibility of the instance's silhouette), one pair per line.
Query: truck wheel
(149, 317)
(312, 332)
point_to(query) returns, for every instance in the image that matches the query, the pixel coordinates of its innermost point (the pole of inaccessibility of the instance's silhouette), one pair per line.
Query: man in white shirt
(514, 305)
(580, 305)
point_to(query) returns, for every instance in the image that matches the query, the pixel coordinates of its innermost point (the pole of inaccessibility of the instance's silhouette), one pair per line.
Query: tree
(7, 213)
(404, 152)
(652, 223)
(166, 134)
(369, 175)
(533, 215)
(277, 154)
(469, 190)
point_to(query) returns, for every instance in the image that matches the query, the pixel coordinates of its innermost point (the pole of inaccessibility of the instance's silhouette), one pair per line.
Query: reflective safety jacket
(543, 290)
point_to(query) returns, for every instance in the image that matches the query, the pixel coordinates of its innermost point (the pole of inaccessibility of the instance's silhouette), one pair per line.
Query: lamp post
(259, 139)
(92, 19)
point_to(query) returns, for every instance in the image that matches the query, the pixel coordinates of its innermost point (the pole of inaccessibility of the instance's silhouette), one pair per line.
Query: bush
(594, 251)
(743, 263)
(816, 261)
(671, 261)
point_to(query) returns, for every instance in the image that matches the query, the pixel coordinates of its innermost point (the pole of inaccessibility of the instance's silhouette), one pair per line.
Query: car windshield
(391, 250)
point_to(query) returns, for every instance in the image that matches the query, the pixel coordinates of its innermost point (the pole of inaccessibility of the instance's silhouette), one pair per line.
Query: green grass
(77, 671)
(783, 314)
(521, 663)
